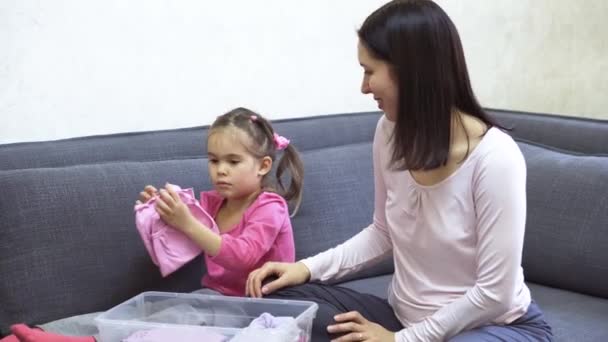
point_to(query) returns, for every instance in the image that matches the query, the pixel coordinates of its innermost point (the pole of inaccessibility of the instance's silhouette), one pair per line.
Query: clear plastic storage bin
(189, 317)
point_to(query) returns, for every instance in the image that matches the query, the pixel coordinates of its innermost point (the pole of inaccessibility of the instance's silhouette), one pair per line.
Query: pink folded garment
(169, 248)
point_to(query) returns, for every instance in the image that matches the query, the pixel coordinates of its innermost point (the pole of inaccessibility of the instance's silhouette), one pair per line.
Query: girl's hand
(144, 196)
(172, 210)
(357, 328)
(289, 274)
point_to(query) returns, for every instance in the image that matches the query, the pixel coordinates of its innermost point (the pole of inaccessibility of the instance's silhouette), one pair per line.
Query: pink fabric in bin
(175, 334)
(169, 248)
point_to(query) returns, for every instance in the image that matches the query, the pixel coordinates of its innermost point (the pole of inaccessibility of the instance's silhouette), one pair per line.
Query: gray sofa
(68, 244)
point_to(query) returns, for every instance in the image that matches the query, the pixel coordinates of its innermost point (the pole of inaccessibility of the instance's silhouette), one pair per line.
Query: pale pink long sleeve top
(457, 245)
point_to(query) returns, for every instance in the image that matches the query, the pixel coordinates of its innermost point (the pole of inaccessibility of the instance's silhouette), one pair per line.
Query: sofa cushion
(304, 133)
(567, 220)
(377, 286)
(68, 243)
(560, 132)
(573, 316)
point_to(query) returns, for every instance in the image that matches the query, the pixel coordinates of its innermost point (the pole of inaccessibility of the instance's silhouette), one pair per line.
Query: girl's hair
(421, 44)
(262, 134)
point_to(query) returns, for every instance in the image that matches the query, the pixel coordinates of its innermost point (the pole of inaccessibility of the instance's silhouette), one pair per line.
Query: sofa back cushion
(561, 132)
(566, 240)
(186, 143)
(68, 242)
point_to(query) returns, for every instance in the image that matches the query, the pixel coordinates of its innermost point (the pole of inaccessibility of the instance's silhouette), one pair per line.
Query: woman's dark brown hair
(422, 46)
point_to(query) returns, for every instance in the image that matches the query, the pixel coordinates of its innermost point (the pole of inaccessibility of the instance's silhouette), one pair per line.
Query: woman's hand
(289, 274)
(144, 196)
(357, 328)
(173, 211)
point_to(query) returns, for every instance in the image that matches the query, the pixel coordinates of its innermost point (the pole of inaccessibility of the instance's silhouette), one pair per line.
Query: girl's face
(234, 171)
(378, 80)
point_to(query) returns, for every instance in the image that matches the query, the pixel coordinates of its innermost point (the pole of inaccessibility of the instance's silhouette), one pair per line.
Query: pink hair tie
(280, 142)
(253, 118)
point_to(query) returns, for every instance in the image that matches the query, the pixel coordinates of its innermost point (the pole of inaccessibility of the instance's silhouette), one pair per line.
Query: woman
(450, 203)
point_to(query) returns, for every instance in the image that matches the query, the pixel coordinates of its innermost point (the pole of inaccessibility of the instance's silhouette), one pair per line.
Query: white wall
(536, 55)
(79, 67)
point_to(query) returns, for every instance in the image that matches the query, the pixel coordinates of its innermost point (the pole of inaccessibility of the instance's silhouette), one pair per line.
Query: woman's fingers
(250, 285)
(351, 316)
(354, 336)
(345, 327)
(257, 277)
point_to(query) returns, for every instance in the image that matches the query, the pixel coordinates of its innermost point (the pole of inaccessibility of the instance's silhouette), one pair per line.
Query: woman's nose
(365, 87)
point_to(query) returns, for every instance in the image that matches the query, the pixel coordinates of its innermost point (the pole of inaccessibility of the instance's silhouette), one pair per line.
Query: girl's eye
(213, 161)
(234, 162)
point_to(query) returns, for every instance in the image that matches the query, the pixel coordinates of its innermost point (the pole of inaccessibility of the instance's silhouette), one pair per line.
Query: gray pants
(84, 325)
(333, 300)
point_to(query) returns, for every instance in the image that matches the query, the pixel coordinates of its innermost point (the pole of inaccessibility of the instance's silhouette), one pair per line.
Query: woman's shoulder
(496, 142)
(499, 150)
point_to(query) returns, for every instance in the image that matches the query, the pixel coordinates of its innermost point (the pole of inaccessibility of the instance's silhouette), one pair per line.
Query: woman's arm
(370, 245)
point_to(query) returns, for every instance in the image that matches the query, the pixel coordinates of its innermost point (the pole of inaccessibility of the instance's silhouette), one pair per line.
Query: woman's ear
(265, 166)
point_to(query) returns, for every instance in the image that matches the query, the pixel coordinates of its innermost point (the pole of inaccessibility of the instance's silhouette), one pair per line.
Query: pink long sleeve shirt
(263, 234)
(456, 245)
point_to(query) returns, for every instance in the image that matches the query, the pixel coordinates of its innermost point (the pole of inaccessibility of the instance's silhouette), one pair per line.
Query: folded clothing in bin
(265, 328)
(175, 311)
(169, 248)
(175, 334)
(268, 328)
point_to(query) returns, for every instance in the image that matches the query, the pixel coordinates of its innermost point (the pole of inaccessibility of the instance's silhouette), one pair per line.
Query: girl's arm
(175, 212)
(263, 225)
(209, 241)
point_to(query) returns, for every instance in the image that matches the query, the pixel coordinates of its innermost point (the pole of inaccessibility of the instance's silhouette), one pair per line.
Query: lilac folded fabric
(169, 248)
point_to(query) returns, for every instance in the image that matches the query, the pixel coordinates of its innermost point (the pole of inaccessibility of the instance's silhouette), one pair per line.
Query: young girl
(450, 203)
(250, 210)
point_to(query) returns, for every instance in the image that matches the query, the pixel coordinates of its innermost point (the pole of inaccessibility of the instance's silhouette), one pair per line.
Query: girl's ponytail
(290, 160)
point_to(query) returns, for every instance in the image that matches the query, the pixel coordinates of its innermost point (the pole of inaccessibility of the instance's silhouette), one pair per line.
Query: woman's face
(378, 80)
